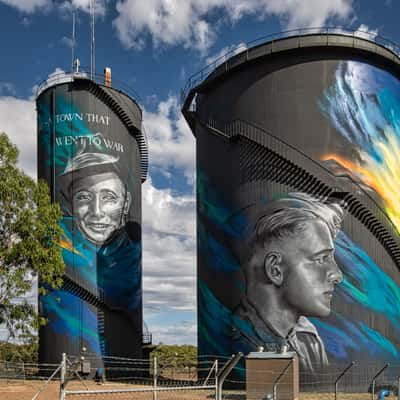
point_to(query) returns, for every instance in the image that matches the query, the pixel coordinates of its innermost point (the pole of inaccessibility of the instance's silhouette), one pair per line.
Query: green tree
(27, 352)
(29, 233)
(175, 355)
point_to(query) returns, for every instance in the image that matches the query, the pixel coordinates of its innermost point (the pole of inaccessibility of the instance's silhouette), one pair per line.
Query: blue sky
(153, 46)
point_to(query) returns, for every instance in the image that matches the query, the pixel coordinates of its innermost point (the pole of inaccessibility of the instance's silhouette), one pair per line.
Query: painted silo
(298, 144)
(93, 154)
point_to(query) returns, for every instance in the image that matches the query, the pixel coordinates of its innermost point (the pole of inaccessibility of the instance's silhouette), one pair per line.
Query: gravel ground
(19, 390)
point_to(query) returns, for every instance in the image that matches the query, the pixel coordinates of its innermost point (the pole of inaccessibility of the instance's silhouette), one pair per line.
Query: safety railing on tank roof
(198, 77)
(147, 338)
(116, 85)
(84, 73)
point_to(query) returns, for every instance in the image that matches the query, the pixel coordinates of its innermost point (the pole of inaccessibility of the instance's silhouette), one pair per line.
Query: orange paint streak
(382, 177)
(366, 176)
(67, 244)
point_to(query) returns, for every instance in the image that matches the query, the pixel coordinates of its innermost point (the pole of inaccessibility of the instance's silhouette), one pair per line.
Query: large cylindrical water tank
(298, 144)
(93, 154)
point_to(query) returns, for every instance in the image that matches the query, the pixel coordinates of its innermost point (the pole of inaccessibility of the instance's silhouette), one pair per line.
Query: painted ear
(127, 203)
(273, 268)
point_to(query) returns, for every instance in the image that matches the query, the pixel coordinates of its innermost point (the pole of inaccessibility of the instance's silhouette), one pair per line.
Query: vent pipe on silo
(107, 76)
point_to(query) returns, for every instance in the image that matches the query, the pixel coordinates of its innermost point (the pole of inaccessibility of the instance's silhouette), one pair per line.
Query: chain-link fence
(145, 379)
(355, 381)
(11, 371)
(208, 377)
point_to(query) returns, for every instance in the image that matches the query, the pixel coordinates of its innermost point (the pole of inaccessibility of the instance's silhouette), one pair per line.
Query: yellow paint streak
(67, 244)
(383, 177)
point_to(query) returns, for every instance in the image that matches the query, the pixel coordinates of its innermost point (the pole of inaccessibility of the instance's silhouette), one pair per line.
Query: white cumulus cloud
(7, 88)
(18, 120)
(224, 54)
(171, 143)
(29, 6)
(366, 32)
(100, 6)
(32, 6)
(191, 23)
(169, 261)
(310, 13)
(67, 42)
(168, 249)
(167, 213)
(169, 244)
(188, 22)
(182, 333)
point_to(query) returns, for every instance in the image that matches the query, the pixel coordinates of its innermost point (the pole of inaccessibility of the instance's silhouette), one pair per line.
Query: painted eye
(325, 258)
(111, 197)
(83, 196)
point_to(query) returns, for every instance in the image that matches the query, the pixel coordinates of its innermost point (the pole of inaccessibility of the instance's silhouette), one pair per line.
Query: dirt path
(19, 390)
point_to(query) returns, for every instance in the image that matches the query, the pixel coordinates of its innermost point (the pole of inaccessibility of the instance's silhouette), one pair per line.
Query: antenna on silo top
(92, 42)
(73, 40)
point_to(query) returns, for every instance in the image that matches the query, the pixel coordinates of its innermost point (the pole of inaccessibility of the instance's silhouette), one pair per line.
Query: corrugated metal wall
(90, 155)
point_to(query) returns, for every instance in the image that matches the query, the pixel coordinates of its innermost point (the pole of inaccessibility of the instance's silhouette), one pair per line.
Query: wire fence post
(210, 373)
(63, 373)
(47, 382)
(224, 372)
(155, 372)
(374, 380)
(398, 388)
(340, 376)
(279, 378)
(216, 378)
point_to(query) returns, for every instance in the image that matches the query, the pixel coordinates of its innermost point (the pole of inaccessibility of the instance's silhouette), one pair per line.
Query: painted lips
(98, 227)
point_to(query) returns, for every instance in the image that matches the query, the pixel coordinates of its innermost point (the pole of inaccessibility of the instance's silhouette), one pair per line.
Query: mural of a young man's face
(291, 270)
(100, 205)
(309, 271)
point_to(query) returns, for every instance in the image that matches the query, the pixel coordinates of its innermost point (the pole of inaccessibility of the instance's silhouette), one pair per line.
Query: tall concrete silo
(298, 144)
(93, 154)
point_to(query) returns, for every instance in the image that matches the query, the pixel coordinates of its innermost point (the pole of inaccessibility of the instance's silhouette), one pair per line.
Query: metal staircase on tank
(282, 166)
(128, 118)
